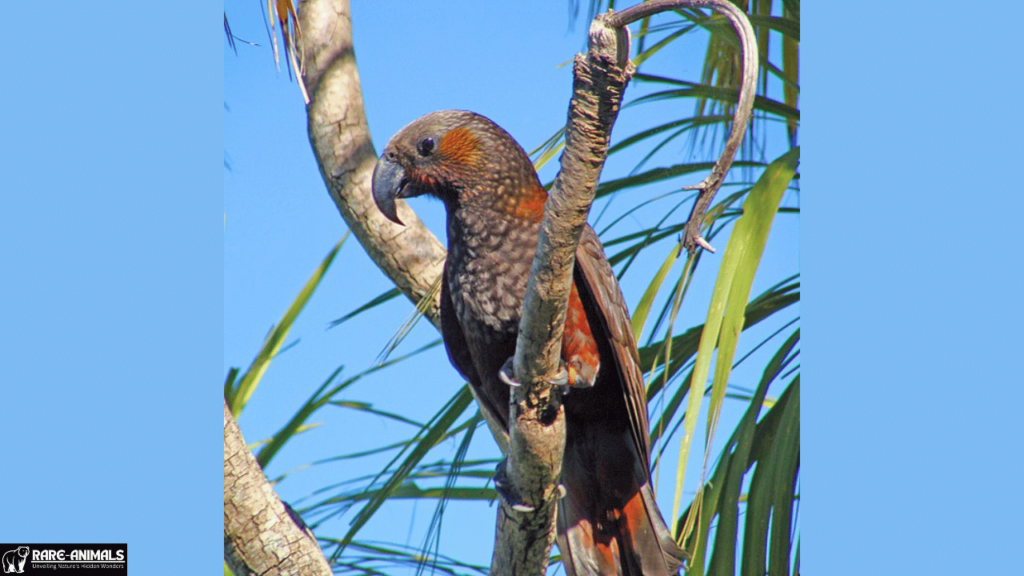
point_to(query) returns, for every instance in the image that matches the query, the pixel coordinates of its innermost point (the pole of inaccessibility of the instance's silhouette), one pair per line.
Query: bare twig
(692, 236)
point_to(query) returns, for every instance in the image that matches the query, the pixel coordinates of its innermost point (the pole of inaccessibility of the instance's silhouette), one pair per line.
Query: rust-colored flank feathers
(531, 205)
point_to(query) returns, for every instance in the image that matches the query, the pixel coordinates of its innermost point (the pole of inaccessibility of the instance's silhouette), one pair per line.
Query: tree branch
(411, 256)
(261, 536)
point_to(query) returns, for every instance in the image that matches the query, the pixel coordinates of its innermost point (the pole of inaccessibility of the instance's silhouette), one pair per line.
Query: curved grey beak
(389, 183)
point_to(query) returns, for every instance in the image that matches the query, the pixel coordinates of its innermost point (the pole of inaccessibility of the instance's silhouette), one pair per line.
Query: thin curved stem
(692, 237)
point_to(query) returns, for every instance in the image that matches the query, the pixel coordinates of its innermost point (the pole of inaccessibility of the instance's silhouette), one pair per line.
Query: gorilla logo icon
(14, 560)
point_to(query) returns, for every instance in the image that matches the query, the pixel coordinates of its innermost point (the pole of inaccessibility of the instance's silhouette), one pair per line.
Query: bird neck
(489, 230)
(504, 200)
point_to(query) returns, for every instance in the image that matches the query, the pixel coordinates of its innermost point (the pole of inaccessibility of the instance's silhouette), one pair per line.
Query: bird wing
(454, 339)
(595, 277)
(461, 357)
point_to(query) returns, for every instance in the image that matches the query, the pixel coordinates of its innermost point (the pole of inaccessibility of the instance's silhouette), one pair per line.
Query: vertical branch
(537, 423)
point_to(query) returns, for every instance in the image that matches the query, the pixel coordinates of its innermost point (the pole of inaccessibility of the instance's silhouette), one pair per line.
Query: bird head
(460, 157)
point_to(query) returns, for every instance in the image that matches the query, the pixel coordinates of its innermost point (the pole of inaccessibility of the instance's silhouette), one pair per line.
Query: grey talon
(506, 491)
(506, 374)
(561, 379)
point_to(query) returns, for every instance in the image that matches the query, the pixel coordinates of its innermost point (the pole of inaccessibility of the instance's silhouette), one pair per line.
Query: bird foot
(506, 491)
(560, 379)
(507, 374)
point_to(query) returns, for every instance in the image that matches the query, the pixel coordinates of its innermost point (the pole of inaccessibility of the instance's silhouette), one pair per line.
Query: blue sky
(127, 294)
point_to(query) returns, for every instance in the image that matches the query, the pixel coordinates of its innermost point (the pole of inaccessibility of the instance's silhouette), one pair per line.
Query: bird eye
(425, 146)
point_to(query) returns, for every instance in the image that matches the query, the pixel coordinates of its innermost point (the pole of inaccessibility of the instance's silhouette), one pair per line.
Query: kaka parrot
(608, 521)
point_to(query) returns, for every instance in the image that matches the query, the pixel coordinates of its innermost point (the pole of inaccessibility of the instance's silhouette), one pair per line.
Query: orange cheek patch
(459, 146)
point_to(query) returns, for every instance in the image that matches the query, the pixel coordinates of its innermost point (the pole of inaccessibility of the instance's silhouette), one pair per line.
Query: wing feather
(460, 356)
(595, 276)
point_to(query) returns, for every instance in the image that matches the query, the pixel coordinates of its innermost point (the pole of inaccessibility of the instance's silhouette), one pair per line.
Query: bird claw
(561, 378)
(507, 374)
(506, 491)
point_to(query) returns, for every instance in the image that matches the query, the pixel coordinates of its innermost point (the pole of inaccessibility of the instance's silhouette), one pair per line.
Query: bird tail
(609, 523)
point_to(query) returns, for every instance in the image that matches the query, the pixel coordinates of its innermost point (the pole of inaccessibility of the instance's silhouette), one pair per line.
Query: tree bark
(260, 534)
